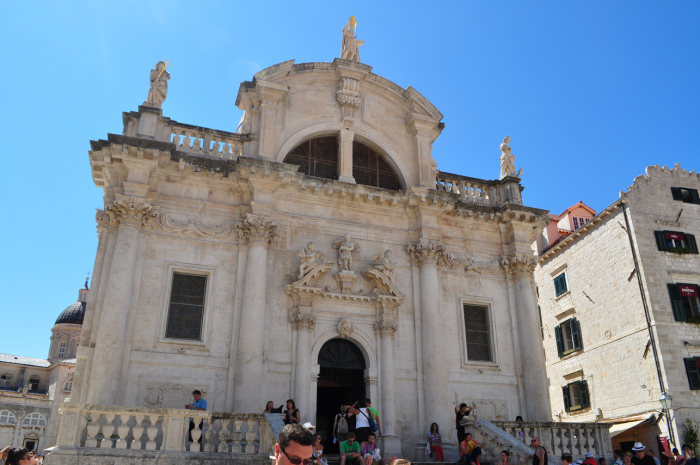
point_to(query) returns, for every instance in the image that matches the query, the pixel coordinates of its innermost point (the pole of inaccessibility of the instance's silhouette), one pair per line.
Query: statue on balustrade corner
(159, 85)
(308, 258)
(508, 160)
(387, 264)
(345, 248)
(350, 48)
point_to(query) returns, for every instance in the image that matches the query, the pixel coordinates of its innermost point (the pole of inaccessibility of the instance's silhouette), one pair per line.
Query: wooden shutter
(567, 403)
(676, 192)
(661, 241)
(583, 392)
(693, 372)
(692, 245)
(676, 302)
(560, 344)
(694, 195)
(576, 333)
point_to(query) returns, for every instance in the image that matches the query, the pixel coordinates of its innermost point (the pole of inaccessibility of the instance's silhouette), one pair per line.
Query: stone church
(315, 253)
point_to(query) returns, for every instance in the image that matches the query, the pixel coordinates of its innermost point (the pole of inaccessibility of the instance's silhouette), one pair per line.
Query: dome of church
(74, 314)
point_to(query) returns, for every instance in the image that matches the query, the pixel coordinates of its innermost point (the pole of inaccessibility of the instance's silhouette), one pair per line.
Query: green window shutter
(676, 302)
(692, 245)
(576, 333)
(565, 392)
(560, 345)
(585, 398)
(676, 193)
(693, 372)
(661, 241)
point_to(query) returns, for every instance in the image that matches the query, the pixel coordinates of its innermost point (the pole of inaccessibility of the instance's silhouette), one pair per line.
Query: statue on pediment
(308, 258)
(350, 48)
(345, 248)
(508, 160)
(159, 86)
(387, 264)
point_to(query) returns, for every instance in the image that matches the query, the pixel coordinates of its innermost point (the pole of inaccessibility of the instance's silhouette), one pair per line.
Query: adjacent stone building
(31, 389)
(618, 297)
(317, 253)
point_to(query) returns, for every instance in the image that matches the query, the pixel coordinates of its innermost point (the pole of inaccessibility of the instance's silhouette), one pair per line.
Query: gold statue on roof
(350, 48)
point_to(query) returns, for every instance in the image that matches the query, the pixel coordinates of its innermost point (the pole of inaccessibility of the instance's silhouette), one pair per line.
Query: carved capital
(430, 253)
(257, 229)
(130, 212)
(385, 328)
(519, 264)
(303, 321)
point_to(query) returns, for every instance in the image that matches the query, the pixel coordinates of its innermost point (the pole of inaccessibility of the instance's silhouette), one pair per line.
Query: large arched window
(319, 157)
(316, 157)
(34, 419)
(7, 418)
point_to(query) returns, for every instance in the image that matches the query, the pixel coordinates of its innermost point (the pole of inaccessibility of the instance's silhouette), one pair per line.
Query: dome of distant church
(75, 313)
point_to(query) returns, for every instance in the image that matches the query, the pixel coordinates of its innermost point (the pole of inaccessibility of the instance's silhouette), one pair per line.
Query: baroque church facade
(316, 253)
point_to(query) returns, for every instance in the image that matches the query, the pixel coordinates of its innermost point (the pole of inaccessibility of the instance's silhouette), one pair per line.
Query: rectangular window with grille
(692, 369)
(478, 333)
(186, 309)
(5, 380)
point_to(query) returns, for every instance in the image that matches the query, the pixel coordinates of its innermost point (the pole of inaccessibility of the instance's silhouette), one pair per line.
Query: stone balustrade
(556, 438)
(99, 430)
(207, 142)
(479, 191)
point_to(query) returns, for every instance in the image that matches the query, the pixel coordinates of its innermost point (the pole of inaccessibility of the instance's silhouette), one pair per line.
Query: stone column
(430, 255)
(130, 215)
(345, 159)
(532, 356)
(386, 331)
(257, 232)
(303, 324)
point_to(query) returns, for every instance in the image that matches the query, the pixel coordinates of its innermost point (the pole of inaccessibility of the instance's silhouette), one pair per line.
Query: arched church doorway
(341, 381)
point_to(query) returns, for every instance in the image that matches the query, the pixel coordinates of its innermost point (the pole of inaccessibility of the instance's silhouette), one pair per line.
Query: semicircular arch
(361, 340)
(371, 139)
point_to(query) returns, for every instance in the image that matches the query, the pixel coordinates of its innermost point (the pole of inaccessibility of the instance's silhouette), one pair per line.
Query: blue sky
(590, 93)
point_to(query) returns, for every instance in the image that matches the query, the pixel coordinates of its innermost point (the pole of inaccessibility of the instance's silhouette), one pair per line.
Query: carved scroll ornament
(132, 212)
(432, 252)
(192, 227)
(257, 229)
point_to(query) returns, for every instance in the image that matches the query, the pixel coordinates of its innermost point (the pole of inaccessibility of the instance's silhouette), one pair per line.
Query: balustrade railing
(124, 428)
(210, 143)
(470, 191)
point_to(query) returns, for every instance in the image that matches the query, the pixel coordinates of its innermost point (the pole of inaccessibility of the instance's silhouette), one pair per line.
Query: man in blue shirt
(198, 404)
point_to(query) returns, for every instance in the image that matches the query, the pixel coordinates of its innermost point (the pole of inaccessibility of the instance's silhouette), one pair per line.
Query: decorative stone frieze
(192, 227)
(257, 229)
(385, 328)
(433, 252)
(480, 267)
(302, 321)
(345, 327)
(518, 264)
(131, 212)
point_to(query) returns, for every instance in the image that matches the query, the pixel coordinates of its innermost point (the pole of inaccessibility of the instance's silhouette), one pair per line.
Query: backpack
(342, 424)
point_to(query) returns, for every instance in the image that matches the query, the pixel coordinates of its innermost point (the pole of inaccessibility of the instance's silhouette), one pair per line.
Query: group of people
(291, 415)
(20, 456)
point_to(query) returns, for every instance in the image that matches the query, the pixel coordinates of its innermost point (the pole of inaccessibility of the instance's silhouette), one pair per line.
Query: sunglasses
(296, 461)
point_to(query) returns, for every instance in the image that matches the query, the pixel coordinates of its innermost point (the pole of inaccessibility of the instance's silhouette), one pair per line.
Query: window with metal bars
(186, 310)
(316, 157)
(478, 333)
(370, 169)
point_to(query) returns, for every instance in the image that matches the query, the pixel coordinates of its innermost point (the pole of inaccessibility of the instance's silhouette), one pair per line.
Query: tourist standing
(362, 428)
(198, 404)
(375, 415)
(435, 441)
(341, 426)
(540, 456)
(270, 408)
(461, 411)
(640, 456)
(291, 415)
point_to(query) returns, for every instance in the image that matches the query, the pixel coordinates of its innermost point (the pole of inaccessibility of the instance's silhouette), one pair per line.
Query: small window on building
(676, 242)
(69, 385)
(568, 335)
(7, 418)
(5, 380)
(33, 384)
(684, 302)
(685, 195)
(560, 284)
(186, 309)
(478, 333)
(34, 419)
(62, 350)
(578, 222)
(692, 369)
(576, 396)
